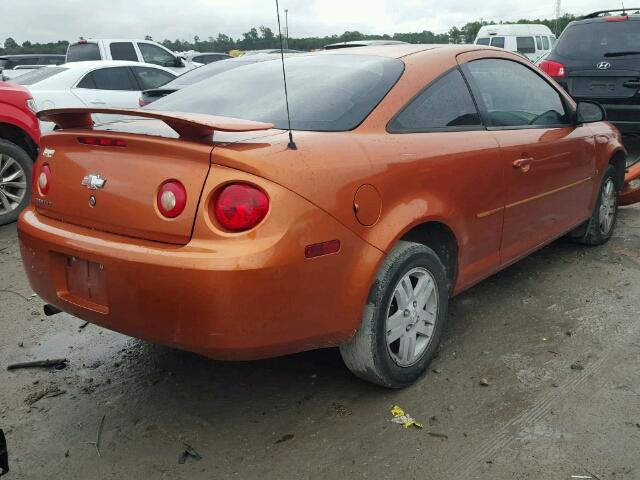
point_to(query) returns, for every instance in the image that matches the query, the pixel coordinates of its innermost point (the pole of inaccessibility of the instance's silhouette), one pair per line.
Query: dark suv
(598, 58)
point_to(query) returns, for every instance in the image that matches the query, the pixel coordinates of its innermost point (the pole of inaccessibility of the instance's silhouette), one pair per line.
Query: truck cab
(133, 50)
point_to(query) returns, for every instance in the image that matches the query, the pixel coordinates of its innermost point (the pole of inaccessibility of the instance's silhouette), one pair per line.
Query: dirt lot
(557, 336)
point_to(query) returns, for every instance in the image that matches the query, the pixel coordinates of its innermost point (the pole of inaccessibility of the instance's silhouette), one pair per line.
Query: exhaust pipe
(51, 310)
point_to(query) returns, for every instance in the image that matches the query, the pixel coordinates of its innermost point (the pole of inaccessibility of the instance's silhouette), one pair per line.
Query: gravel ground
(556, 337)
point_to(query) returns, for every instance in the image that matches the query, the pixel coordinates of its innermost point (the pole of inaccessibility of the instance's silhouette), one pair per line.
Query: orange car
(415, 171)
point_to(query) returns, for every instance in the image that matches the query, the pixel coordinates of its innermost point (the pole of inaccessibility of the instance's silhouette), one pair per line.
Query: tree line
(263, 37)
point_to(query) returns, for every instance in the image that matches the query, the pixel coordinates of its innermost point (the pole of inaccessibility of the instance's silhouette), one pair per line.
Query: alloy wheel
(13, 184)
(411, 317)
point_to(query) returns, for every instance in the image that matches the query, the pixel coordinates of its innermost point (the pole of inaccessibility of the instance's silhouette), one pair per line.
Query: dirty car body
(275, 250)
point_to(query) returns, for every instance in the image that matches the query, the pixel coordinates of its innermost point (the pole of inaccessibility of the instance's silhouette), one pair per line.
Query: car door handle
(632, 84)
(98, 102)
(523, 164)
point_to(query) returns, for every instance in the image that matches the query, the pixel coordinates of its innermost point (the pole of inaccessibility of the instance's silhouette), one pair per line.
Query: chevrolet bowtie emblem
(93, 182)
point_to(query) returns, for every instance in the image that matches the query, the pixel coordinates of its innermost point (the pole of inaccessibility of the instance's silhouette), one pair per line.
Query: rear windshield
(80, 52)
(326, 92)
(204, 72)
(35, 76)
(590, 41)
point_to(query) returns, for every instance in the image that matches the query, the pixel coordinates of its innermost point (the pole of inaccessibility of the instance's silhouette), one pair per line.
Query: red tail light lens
(142, 102)
(620, 18)
(44, 179)
(553, 69)
(171, 198)
(240, 206)
(103, 141)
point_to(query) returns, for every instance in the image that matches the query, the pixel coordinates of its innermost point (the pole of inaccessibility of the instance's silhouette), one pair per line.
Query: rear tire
(599, 228)
(408, 300)
(15, 181)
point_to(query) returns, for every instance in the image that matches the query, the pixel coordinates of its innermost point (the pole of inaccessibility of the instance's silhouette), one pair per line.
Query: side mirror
(179, 62)
(590, 112)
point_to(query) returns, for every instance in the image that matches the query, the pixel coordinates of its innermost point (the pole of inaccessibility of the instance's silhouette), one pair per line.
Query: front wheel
(599, 228)
(403, 319)
(15, 181)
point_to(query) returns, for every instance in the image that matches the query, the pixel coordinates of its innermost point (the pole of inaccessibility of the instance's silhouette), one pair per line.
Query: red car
(19, 139)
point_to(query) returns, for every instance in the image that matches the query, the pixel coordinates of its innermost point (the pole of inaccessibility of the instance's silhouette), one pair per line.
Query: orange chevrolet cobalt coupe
(416, 172)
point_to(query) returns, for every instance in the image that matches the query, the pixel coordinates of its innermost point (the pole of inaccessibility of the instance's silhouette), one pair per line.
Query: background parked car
(598, 58)
(12, 66)
(203, 73)
(530, 40)
(204, 58)
(19, 138)
(85, 84)
(131, 50)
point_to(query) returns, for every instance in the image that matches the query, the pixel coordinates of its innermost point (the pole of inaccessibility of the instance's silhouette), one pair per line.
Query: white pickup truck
(127, 49)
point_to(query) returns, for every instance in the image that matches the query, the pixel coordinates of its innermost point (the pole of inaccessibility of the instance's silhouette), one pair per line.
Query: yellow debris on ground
(403, 418)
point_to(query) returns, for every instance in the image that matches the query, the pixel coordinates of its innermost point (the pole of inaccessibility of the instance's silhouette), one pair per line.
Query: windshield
(593, 40)
(81, 52)
(38, 75)
(326, 92)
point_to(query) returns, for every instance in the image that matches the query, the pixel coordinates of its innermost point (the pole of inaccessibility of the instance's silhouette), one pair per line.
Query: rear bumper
(267, 301)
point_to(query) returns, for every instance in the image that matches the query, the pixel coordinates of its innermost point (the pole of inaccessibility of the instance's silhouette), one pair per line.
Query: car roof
(605, 15)
(109, 63)
(396, 51)
(33, 55)
(362, 43)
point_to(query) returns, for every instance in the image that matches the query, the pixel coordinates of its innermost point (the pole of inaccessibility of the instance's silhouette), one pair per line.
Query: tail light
(103, 141)
(619, 18)
(553, 69)
(44, 179)
(142, 102)
(240, 206)
(171, 198)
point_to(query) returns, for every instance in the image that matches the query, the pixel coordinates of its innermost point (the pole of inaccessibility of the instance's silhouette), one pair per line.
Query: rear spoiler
(187, 125)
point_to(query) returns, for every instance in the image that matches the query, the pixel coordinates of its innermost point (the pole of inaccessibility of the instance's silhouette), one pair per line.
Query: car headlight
(31, 105)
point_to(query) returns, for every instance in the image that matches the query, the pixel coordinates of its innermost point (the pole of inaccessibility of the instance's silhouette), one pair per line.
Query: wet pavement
(556, 337)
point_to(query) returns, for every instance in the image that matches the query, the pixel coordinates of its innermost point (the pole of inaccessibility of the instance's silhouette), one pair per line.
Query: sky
(51, 20)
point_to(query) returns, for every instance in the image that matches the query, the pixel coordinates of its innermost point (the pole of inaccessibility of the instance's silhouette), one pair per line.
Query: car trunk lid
(113, 188)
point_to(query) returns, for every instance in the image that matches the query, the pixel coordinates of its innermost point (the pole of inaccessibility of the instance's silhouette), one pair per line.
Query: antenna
(292, 145)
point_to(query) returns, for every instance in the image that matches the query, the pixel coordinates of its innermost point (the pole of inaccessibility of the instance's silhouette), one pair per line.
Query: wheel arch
(618, 160)
(441, 239)
(16, 135)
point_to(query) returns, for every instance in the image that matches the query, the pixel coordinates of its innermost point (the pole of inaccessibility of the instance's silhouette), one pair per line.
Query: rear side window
(117, 78)
(151, 77)
(35, 76)
(80, 52)
(446, 104)
(539, 43)
(156, 55)
(482, 41)
(591, 41)
(497, 42)
(545, 43)
(515, 96)
(525, 45)
(123, 51)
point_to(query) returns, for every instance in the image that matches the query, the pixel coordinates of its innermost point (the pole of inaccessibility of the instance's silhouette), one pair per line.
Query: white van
(128, 49)
(529, 39)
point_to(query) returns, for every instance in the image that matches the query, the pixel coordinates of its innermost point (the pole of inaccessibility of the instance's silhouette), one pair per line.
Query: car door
(109, 87)
(456, 160)
(549, 162)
